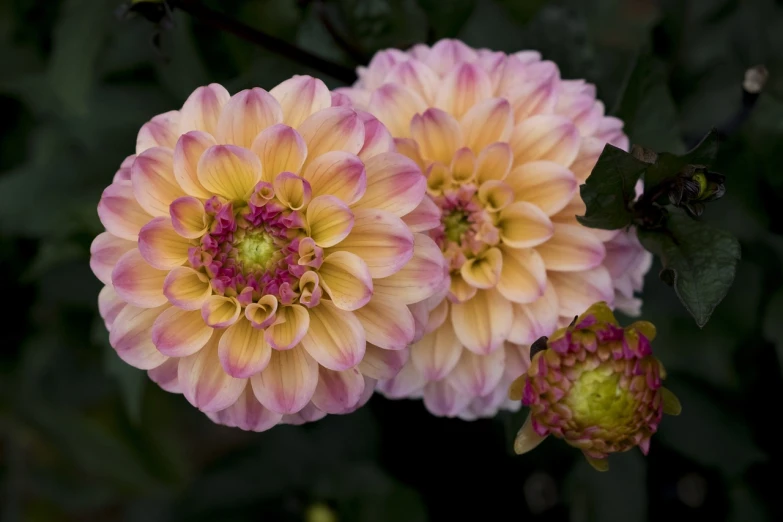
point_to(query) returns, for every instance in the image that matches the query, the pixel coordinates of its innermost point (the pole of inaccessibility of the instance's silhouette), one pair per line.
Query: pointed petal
(335, 128)
(424, 217)
(395, 105)
(161, 246)
(417, 77)
(219, 311)
(523, 278)
(524, 225)
(377, 138)
(229, 171)
(394, 184)
(338, 174)
(571, 249)
(179, 333)
(443, 399)
(203, 381)
(408, 381)
(300, 97)
(527, 439)
(188, 217)
(186, 288)
(105, 250)
(478, 375)
(289, 328)
(379, 363)
(545, 137)
(243, 351)
(483, 322)
(280, 149)
(537, 93)
(576, 291)
(346, 279)
(329, 220)
(671, 404)
(381, 239)
(335, 338)
(590, 150)
(202, 108)
(387, 324)
(483, 271)
(292, 191)
(517, 387)
(187, 153)
(137, 282)
(494, 163)
(287, 384)
(248, 414)
(165, 375)
(464, 87)
(597, 464)
(120, 213)
(307, 414)
(131, 337)
(109, 305)
(417, 280)
(438, 135)
(154, 185)
(437, 353)
(536, 319)
(487, 122)
(546, 184)
(245, 115)
(160, 131)
(446, 54)
(338, 391)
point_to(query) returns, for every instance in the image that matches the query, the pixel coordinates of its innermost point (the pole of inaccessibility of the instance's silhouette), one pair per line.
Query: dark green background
(85, 437)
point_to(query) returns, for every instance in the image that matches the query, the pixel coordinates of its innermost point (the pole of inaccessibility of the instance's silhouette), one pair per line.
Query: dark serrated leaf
(668, 164)
(700, 261)
(610, 188)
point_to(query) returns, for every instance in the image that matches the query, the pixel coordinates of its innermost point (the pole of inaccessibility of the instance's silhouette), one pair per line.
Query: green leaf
(610, 188)
(447, 16)
(698, 260)
(668, 165)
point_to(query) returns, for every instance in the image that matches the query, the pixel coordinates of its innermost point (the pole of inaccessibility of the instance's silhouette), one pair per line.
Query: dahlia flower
(261, 251)
(595, 385)
(504, 143)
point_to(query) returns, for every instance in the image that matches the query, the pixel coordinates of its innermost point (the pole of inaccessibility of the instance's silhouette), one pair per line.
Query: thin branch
(222, 22)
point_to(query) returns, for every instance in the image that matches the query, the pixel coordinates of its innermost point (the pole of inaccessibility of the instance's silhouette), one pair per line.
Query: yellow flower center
(255, 250)
(597, 398)
(456, 224)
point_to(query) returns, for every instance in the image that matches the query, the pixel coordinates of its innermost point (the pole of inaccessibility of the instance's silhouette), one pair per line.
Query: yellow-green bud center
(456, 224)
(255, 250)
(597, 399)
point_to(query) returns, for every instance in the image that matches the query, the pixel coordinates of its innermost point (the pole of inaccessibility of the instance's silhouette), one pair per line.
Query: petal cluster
(505, 144)
(597, 386)
(263, 252)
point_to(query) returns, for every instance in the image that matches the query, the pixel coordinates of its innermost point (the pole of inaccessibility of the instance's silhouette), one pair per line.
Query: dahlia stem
(224, 23)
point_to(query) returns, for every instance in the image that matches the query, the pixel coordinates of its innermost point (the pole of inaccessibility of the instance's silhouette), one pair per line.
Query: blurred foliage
(83, 437)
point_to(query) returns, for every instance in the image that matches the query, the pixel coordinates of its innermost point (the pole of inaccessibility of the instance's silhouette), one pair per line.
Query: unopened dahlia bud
(597, 386)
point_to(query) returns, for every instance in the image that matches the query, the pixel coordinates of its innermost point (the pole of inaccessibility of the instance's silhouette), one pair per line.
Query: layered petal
(120, 213)
(245, 115)
(346, 279)
(186, 288)
(247, 413)
(220, 311)
(338, 391)
(571, 249)
(188, 217)
(131, 337)
(154, 184)
(166, 376)
(137, 282)
(280, 149)
(576, 291)
(161, 246)
(335, 337)
(535, 319)
(387, 324)
(487, 122)
(464, 87)
(395, 105)
(290, 326)
(546, 184)
(381, 239)
(187, 154)
(109, 305)
(438, 135)
(335, 128)
(438, 352)
(478, 375)
(523, 277)
(288, 382)
(379, 363)
(160, 131)
(441, 398)
(300, 97)
(329, 220)
(229, 171)
(421, 277)
(337, 173)
(545, 137)
(203, 381)
(394, 184)
(243, 351)
(524, 225)
(483, 322)
(179, 333)
(105, 250)
(202, 108)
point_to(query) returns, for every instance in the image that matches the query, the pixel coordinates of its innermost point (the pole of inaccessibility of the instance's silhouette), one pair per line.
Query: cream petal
(545, 137)
(589, 151)
(292, 191)
(189, 149)
(460, 290)
(582, 109)
(243, 351)
(571, 249)
(436, 354)
(387, 324)
(229, 171)
(203, 381)
(495, 195)
(610, 130)
(438, 135)
(329, 220)
(154, 185)
(523, 278)
(395, 105)
(109, 305)
(288, 382)
(494, 163)
(576, 291)
(338, 392)
(523, 225)
(546, 184)
(307, 414)
(417, 77)
(202, 108)
(463, 165)
(421, 277)
(335, 337)
(247, 414)
(289, 328)
(186, 288)
(381, 239)
(483, 322)
(442, 399)
(487, 122)
(382, 62)
(424, 217)
(245, 115)
(165, 375)
(338, 174)
(280, 149)
(219, 311)
(378, 363)
(335, 128)
(346, 279)
(300, 97)
(160, 131)
(478, 375)
(105, 250)
(394, 184)
(131, 337)
(535, 319)
(537, 93)
(407, 382)
(350, 97)
(483, 271)
(527, 439)
(446, 54)
(188, 217)
(161, 246)
(120, 213)
(410, 149)
(179, 333)
(377, 138)
(464, 87)
(263, 313)
(137, 282)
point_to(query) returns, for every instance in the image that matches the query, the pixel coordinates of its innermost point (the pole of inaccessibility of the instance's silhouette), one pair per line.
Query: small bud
(694, 186)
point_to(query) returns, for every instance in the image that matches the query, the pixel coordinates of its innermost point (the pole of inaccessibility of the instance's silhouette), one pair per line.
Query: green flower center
(255, 250)
(456, 224)
(597, 398)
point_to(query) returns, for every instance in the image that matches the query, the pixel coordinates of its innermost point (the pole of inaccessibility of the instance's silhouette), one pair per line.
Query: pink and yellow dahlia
(261, 251)
(597, 386)
(505, 144)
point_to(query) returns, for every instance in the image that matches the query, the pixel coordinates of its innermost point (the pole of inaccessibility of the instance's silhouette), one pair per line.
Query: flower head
(597, 386)
(257, 255)
(504, 143)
